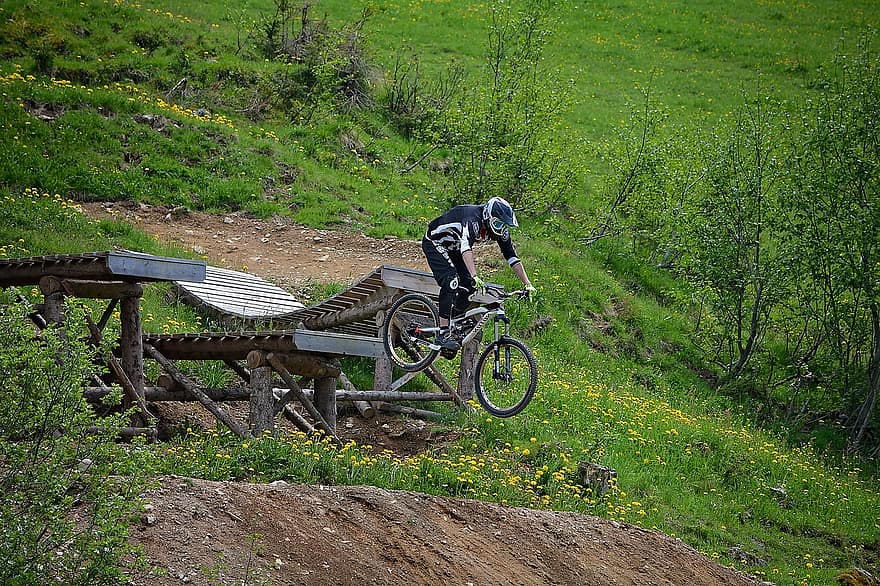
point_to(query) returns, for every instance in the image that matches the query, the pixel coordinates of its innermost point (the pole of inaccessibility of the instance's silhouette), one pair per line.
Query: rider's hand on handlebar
(531, 292)
(479, 284)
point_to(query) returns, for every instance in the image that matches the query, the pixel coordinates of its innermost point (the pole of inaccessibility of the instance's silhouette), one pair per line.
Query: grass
(88, 113)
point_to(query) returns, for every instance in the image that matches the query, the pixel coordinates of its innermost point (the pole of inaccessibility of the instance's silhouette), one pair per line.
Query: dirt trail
(287, 254)
(208, 533)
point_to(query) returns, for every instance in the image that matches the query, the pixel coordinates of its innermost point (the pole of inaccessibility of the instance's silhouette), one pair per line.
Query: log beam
(91, 289)
(412, 411)
(364, 408)
(191, 387)
(280, 368)
(307, 365)
(381, 299)
(177, 393)
(298, 420)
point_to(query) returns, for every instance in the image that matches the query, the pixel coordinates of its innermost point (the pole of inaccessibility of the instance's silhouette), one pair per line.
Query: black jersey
(461, 227)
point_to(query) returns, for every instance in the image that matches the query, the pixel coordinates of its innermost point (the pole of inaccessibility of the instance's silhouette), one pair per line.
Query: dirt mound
(201, 532)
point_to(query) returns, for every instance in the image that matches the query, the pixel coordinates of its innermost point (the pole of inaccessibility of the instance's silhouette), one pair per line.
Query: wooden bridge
(304, 344)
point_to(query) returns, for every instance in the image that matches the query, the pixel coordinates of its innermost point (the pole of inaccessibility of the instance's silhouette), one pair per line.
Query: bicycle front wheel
(410, 326)
(506, 377)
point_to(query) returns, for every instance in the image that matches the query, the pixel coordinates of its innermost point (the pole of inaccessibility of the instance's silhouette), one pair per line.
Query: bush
(62, 515)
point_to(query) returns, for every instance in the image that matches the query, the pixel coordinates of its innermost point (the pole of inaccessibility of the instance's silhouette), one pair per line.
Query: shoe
(446, 341)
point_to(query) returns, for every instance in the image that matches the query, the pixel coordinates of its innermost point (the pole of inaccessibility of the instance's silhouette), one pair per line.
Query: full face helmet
(499, 216)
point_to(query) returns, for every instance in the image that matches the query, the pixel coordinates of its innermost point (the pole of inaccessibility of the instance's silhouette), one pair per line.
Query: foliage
(730, 239)
(834, 217)
(696, 473)
(416, 106)
(775, 230)
(503, 134)
(330, 66)
(61, 510)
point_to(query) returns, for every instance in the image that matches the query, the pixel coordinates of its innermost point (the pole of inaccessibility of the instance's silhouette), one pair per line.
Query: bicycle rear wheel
(506, 377)
(410, 325)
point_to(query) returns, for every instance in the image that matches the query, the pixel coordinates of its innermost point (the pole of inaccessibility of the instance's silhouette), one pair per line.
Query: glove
(531, 291)
(479, 284)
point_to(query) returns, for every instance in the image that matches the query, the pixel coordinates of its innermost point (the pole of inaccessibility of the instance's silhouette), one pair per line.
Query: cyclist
(448, 246)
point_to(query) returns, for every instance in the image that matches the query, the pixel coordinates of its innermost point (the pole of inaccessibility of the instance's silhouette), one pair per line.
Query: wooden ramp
(117, 265)
(354, 310)
(241, 296)
(346, 324)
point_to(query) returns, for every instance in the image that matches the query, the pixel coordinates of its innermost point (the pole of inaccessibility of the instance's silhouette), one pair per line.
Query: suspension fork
(500, 372)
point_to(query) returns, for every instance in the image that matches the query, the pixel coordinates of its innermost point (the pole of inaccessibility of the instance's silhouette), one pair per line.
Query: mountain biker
(448, 247)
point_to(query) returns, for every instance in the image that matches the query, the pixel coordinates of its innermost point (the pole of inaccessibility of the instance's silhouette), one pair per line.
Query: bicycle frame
(482, 314)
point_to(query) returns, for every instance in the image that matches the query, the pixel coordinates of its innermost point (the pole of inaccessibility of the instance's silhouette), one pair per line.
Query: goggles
(497, 225)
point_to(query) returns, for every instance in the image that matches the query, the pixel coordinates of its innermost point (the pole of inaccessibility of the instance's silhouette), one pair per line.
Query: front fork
(501, 371)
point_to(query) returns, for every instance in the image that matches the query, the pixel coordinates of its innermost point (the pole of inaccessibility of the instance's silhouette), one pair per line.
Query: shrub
(62, 515)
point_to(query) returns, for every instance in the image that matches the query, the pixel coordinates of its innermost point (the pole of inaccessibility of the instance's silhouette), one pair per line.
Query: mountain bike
(506, 373)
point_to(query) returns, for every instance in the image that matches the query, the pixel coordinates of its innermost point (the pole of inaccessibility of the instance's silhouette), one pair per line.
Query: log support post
(325, 400)
(132, 350)
(383, 374)
(261, 417)
(53, 307)
(468, 368)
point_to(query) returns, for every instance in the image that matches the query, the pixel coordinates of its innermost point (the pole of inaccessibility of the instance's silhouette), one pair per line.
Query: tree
(730, 241)
(834, 215)
(504, 134)
(62, 512)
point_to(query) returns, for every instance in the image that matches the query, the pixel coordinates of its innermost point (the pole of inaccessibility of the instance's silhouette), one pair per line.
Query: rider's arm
(520, 271)
(468, 258)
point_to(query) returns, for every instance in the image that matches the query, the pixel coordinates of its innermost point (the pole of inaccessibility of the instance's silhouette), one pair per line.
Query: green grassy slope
(91, 109)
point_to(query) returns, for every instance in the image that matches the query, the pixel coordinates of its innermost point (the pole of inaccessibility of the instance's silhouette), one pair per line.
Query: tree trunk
(866, 410)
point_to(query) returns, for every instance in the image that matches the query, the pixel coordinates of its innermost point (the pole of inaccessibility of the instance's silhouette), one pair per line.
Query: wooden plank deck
(119, 265)
(235, 294)
(237, 345)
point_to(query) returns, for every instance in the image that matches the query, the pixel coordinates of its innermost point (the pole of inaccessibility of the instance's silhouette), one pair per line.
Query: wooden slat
(339, 344)
(146, 266)
(409, 280)
(219, 346)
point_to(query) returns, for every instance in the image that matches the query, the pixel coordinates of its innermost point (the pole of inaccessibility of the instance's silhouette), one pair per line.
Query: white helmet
(499, 215)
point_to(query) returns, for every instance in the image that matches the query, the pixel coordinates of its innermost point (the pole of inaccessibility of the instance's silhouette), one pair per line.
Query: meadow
(89, 113)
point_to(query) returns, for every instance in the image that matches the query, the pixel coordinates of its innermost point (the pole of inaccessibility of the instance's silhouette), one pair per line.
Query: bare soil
(200, 532)
(291, 256)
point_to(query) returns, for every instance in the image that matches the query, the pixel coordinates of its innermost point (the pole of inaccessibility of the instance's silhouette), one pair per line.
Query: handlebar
(500, 293)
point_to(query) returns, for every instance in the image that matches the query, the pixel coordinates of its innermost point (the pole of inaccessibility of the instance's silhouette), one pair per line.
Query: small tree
(834, 214)
(730, 241)
(327, 68)
(504, 135)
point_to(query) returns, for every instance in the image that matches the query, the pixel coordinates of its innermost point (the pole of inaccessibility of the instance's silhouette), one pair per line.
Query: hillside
(206, 130)
(293, 534)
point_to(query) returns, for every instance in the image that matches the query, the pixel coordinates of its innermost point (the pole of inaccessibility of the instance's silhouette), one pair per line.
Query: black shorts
(451, 274)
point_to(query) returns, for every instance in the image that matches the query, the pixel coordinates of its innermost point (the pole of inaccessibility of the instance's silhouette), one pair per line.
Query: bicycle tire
(411, 311)
(505, 394)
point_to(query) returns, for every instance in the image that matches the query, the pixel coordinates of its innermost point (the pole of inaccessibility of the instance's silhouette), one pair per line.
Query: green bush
(63, 512)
